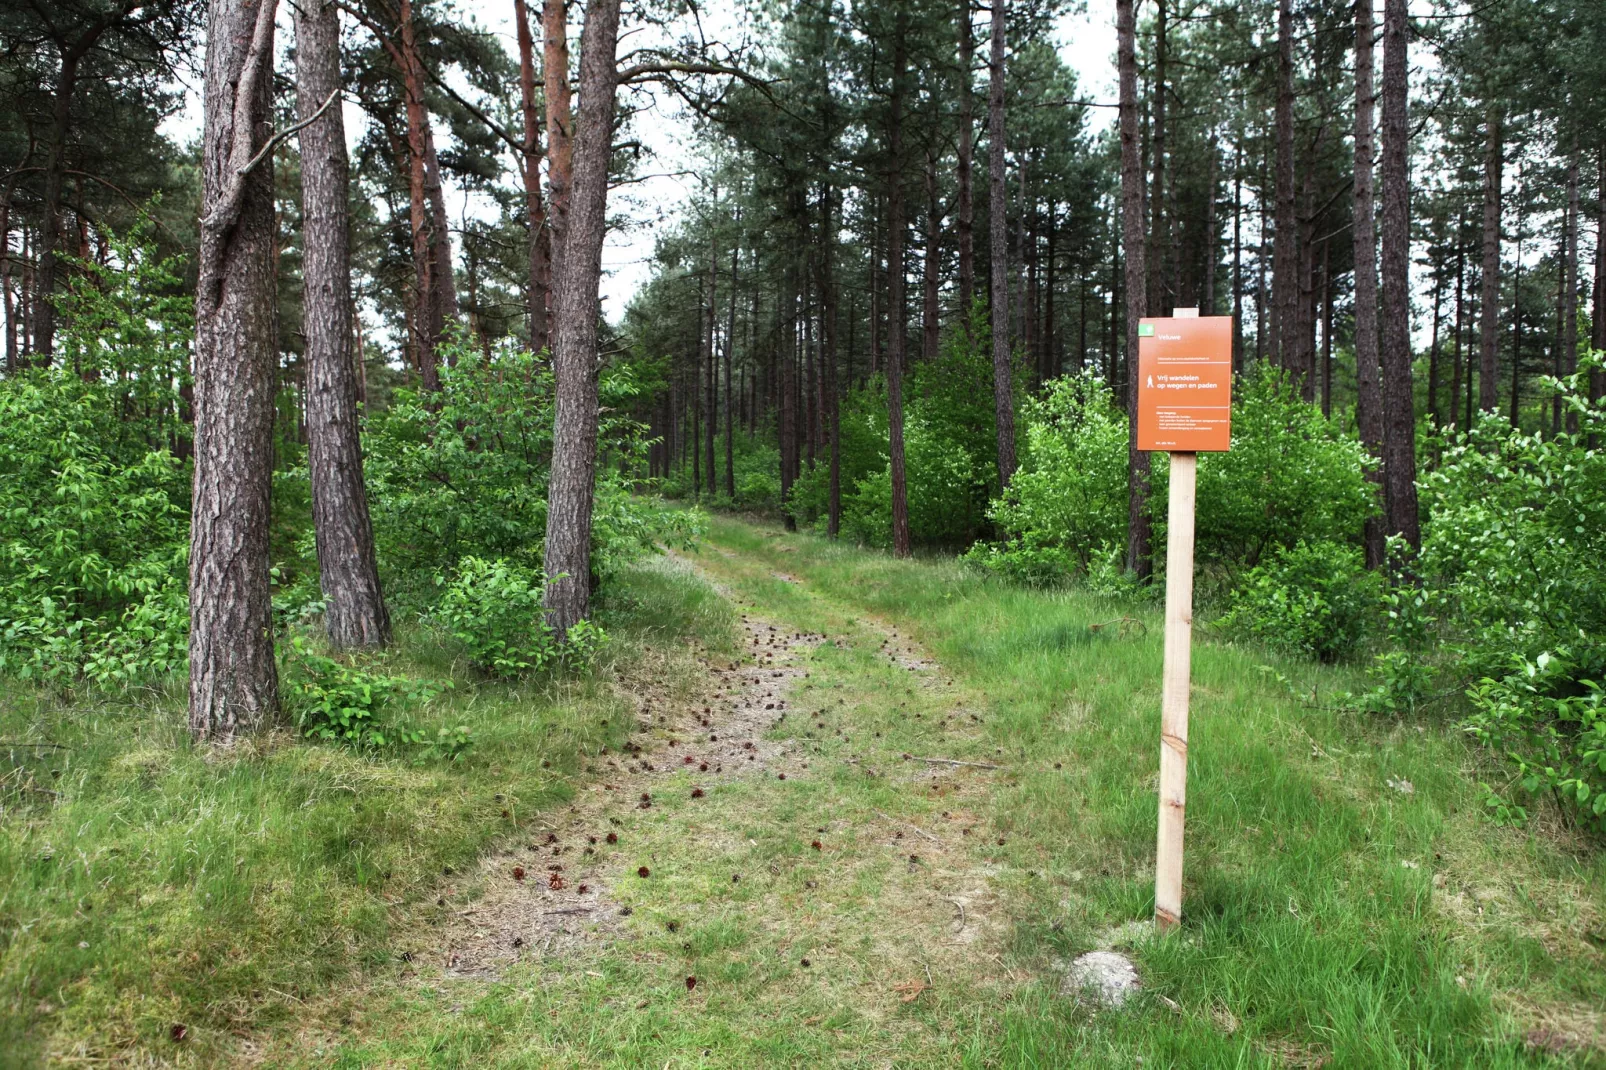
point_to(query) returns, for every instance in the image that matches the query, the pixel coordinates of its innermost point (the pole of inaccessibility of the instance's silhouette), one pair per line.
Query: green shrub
(94, 506)
(1067, 504)
(1315, 599)
(464, 473)
(1514, 558)
(494, 609)
(1291, 476)
(336, 702)
(1548, 717)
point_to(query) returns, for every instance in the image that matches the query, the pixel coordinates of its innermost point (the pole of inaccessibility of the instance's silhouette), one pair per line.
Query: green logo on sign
(1145, 330)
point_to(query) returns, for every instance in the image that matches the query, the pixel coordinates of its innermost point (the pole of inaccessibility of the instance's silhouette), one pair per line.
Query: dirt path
(571, 894)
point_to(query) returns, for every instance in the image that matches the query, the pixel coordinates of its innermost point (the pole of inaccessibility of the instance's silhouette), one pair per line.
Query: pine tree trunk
(354, 613)
(1369, 383)
(578, 308)
(559, 131)
(539, 284)
(233, 678)
(443, 284)
(998, 198)
(424, 306)
(1399, 414)
(1285, 267)
(1460, 326)
(966, 227)
(730, 344)
(898, 334)
(1159, 255)
(1489, 300)
(712, 423)
(833, 504)
(1597, 376)
(1138, 557)
(1569, 285)
(929, 264)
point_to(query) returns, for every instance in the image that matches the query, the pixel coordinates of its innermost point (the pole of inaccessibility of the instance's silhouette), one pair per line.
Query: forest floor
(828, 807)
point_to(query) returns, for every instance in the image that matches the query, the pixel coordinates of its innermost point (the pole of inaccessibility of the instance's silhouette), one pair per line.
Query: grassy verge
(149, 885)
(1346, 902)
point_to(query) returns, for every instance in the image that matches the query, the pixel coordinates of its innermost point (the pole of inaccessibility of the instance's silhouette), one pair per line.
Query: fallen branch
(572, 910)
(913, 828)
(949, 761)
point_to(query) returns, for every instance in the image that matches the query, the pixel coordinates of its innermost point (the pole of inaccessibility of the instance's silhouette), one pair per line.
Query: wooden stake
(1174, 691)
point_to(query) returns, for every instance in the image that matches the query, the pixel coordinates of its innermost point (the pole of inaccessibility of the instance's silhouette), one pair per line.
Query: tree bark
(1285, 267)
(897, 332)
(1138, 557)
(539, 284)
(1489, 299)
(730, 344)
(1159, 254)
(578, 308)
(1569, 285)
(929, 264)
(1597, 376)
(998, 203)
(354, 613)
(833, 506)
(1399, 415)
(424, 333)
(559, 127)
(233, 678)
(711, 425)
(1369, 383)
(965, 227)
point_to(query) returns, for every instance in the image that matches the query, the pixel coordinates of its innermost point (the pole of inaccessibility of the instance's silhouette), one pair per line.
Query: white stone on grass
(1105, 977)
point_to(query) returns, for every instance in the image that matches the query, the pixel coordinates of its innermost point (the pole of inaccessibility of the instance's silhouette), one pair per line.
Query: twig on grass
(912, 828)
(961, 908)
(950, 761)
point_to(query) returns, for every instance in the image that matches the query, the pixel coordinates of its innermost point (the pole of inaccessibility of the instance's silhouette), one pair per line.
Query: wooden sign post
(1184, 408)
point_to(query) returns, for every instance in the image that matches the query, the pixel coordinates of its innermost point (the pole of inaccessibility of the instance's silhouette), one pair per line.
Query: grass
(289, 903)
(149, 884)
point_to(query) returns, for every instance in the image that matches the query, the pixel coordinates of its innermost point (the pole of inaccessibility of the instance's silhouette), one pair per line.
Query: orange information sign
(1185, 384)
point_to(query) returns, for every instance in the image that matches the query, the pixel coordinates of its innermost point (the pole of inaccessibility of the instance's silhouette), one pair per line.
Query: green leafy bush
(1067, 504)
(1315, 599)
(494, 609)
(336, 702)
(1514, 557)
(94, 506)
(464, 473)
(1291, 476)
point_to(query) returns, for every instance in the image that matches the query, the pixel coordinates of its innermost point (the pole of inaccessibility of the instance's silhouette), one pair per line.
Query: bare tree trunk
(966, 226)
(1285, 268)
(1489, 301)
(539, 285)
(559, 130)
(897, 337)
(1597, 376)
(1211, 238)
(833, 506)
(929, 264)
(711, 425)
(998, 198)
(730, 344)
(1569, 285)
(424, 335)
(1399, 414)
(443, 284)
(1159, 255)
(1369, 382)
(233, 678)
(1138, 558)
(1460, 305)
(578, 308)
(354, 613)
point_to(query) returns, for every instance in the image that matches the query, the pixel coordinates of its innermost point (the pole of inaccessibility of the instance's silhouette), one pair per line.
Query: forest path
(791, 861)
